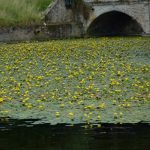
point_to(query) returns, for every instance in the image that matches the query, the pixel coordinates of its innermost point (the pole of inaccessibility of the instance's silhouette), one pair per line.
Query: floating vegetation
(102, 80)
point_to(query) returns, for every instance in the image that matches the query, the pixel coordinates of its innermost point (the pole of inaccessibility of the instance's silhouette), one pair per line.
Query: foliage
(24, 12)
(75, 81)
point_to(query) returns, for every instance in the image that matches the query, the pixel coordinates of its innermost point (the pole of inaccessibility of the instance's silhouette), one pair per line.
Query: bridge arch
(114, 22)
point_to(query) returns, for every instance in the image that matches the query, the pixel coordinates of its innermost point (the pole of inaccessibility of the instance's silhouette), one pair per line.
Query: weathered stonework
(62, 22)
(86, 18)
(78, 25)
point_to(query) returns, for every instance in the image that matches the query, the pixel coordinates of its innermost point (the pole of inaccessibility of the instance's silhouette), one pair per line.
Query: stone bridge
(78, 18)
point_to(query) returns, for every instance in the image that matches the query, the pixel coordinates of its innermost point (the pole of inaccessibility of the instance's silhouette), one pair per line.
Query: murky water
(24, 136)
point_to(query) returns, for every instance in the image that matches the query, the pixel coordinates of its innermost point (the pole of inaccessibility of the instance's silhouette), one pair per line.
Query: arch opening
(114, 23)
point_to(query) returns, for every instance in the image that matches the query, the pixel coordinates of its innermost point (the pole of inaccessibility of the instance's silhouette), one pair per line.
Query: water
(18, 135)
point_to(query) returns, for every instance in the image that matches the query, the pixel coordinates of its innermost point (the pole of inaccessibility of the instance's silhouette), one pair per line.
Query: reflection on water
(62, 137)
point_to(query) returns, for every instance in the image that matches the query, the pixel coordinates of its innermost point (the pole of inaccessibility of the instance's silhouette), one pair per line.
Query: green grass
(22, 12)
(75, 81)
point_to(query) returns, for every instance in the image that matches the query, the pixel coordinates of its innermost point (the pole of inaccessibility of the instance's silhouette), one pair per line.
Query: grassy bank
(75, 81)
(21, 12)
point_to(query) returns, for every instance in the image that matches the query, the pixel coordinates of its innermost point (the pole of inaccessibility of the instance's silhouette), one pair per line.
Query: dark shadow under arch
(114, 23)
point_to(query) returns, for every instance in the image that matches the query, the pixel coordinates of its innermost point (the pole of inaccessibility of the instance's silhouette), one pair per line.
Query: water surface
(24, 136)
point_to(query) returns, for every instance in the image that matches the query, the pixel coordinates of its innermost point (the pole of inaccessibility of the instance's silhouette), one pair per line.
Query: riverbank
(26, 33)
(23, 21)
(41, 32)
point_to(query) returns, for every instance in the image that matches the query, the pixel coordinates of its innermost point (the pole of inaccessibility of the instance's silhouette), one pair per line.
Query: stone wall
(63, 22)
(137, 9)
(78, 24)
